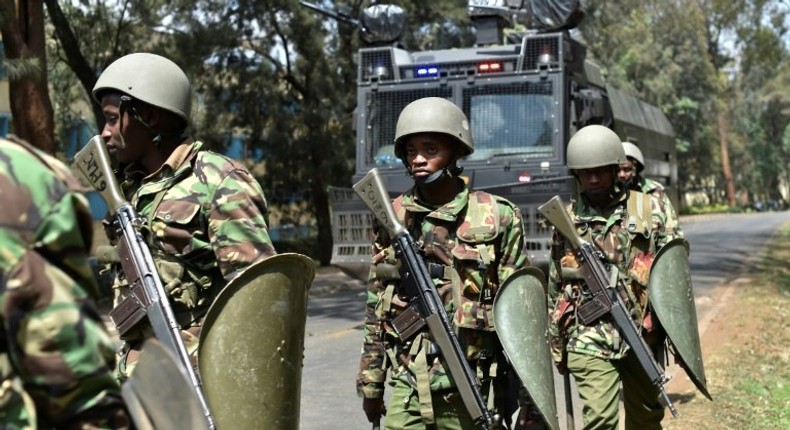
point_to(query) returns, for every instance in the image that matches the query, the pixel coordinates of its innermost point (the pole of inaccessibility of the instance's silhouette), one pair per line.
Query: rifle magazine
(592, 310)
(128, 313)
(408, 323)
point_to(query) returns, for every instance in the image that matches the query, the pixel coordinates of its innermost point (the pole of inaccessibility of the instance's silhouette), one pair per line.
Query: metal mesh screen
(542, 52)
(512, 119)
(375, 65)
(354, 226)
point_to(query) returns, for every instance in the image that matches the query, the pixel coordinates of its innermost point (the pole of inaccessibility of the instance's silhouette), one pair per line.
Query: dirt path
(744, 344)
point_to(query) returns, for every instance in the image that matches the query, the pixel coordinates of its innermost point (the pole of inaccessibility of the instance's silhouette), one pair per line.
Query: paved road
(721, 249)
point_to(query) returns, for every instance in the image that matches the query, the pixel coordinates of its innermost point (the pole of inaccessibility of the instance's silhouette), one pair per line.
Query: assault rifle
(426, 307)
(148, 297)
(606, 299)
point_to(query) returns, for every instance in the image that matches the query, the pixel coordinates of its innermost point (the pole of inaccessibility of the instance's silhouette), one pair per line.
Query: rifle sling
(424, 382)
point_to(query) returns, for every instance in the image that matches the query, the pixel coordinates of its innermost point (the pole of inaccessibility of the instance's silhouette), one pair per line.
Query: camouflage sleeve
(514, 242)
(559, 307)
(372, 364)
(672, 222)
(554, 281)
(56, 340)
(659, 218)
(237, 223)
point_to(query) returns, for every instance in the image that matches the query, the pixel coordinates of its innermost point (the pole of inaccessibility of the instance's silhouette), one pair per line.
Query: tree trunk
(24, 40)
(323, 219)
(725, 157)
(77, 62)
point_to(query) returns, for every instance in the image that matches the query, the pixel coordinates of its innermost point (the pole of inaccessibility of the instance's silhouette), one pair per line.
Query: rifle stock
(423, 295)
(148, 297)
(94, 163)
(605, 296)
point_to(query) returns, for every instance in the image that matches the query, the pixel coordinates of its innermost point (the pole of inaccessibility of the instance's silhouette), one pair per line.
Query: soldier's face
(627, 172)
(596, 180)
(124, 138)
(427, 153)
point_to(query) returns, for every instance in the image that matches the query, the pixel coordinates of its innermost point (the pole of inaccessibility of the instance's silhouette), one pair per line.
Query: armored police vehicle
(524, 99)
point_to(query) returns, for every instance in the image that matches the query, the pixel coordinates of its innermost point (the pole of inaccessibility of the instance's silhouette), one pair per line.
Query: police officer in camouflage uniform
(56, 357)
(627, 227)
(630, 174)
(472, 241)
(205, 213)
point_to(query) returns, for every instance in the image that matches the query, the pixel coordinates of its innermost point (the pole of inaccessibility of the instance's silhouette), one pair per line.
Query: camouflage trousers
(404, 410)
(598, 382)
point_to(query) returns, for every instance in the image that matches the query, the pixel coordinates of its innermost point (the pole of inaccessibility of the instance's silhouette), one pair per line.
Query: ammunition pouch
(439, 271)
(386, 272)
(474, 315)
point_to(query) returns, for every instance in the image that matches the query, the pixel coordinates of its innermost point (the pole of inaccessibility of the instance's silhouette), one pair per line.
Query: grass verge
(747, 354)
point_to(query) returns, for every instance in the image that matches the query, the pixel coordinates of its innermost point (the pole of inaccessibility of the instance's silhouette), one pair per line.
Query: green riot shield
(252, 345)
(159, 395)
(521, 321)
(671, 296)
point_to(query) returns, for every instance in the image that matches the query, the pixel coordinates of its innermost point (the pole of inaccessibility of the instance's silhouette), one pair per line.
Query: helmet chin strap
(157, 135)
(438, 176)
(433, 178)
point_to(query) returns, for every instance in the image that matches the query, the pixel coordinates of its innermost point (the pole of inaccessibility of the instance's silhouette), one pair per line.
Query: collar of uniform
(174, 161)
(648, 186)
(176, 165)
(447, 212)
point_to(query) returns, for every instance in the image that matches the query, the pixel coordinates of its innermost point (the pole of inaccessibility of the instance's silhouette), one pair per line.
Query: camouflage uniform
(471, 245)
(656, 189)
(56, 357)
(207, 220)
(596, 355)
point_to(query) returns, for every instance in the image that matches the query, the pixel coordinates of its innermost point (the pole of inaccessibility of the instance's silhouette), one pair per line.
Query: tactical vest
(638, 223)
(467, 262)
(462, 256)
(192, 288)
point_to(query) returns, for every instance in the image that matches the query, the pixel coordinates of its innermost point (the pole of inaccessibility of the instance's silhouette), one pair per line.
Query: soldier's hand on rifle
(374, 408)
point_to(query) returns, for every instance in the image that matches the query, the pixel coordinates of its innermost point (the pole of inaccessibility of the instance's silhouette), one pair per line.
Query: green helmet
(433, 115)
(150, 78)
(632, 151)
(594, 146)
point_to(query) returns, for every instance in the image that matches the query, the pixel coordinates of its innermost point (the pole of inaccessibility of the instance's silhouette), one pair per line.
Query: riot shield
(671, 296)
(159, 395)
(252, 345)
(521, 321)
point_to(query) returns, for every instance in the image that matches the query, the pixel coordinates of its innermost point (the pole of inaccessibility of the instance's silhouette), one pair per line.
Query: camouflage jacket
(206, 216)
(649, 186)
(53, 338)
(630, 250)
(469, 265)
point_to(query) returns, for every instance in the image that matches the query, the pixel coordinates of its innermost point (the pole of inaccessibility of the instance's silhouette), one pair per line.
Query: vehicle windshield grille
(512, 119)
